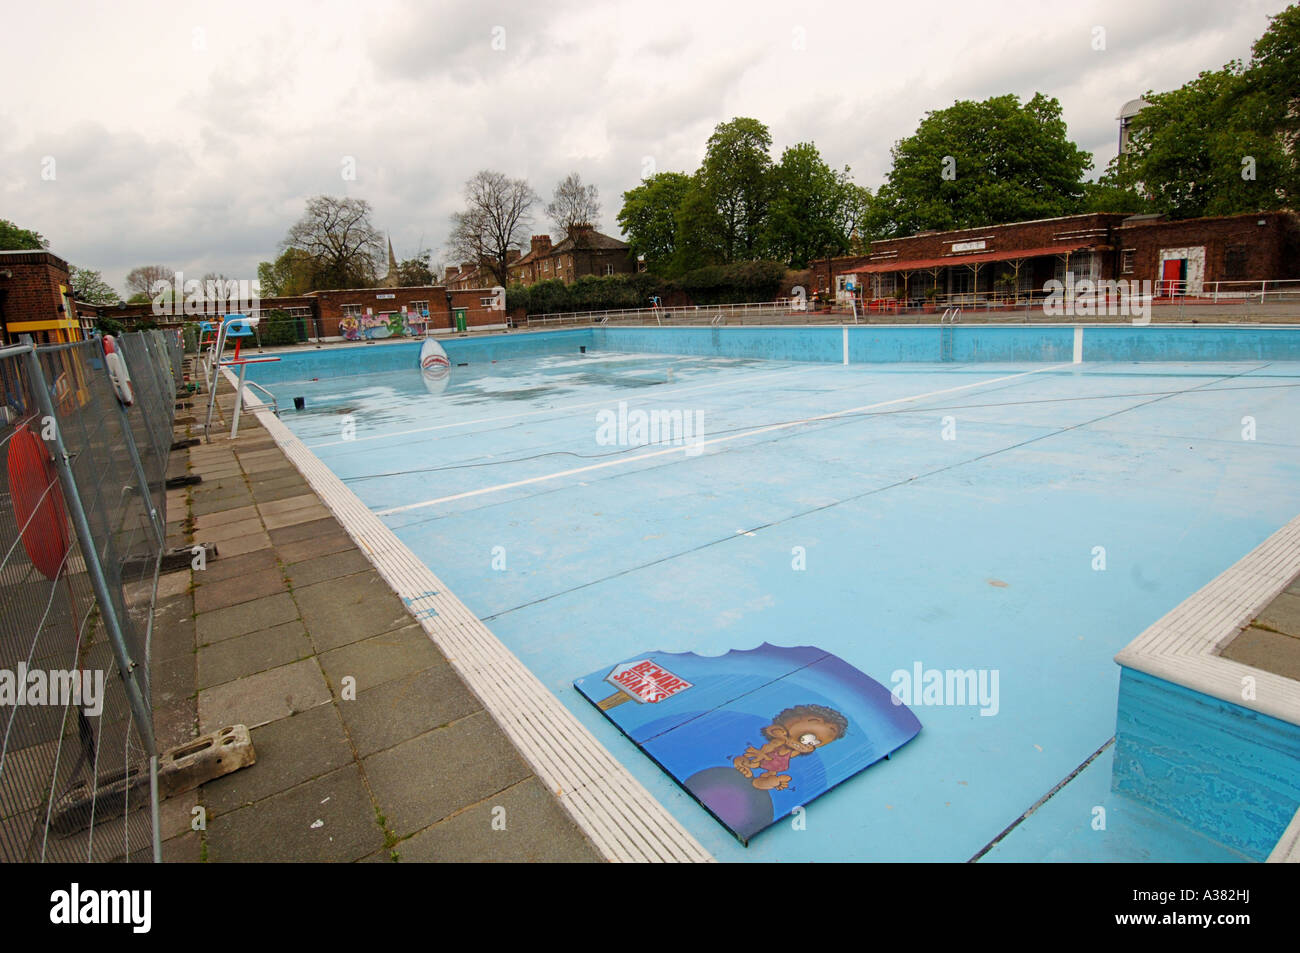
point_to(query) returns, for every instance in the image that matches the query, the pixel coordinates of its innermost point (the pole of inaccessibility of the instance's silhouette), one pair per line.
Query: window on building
(1234, 262)
(419, 307)
(609, 269)
(352, 311)
(486, 302)
(1126, 261)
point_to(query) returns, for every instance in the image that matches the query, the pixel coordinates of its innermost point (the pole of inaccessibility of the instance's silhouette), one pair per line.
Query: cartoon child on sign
(795, 731)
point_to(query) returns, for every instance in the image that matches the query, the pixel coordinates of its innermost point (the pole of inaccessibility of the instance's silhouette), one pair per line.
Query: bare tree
(573, 204)
(495, 220)
(344, 250)
(140, 281)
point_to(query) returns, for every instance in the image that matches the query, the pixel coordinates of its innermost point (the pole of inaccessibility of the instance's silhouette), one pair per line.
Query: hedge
(716, 284)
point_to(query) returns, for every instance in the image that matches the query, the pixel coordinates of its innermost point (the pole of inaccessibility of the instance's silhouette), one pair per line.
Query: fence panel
(79, 557)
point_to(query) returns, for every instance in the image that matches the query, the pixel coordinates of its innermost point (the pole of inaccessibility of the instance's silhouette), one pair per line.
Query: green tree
(290, 274)
(14, 238)
(649, 217)
(701, 231)
(90, 287)
(1210, 147)
(734, 179)
(814, 209)
(416, 270)
(982, 164)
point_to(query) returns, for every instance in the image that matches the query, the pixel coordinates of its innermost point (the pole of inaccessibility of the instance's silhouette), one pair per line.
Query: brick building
(584, 251)
(361, 312)
(1191, 257)
(36, 298)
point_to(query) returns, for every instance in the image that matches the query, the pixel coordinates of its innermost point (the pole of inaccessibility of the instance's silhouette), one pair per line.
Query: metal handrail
(275, 404)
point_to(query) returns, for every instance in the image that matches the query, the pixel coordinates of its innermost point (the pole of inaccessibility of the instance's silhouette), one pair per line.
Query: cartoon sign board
(753, 734)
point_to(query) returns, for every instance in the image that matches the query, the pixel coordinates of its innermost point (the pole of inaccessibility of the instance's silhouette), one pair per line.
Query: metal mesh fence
(81, 533)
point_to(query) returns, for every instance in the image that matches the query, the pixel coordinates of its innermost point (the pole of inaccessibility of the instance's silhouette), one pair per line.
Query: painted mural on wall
(753, 734)
(385, 324)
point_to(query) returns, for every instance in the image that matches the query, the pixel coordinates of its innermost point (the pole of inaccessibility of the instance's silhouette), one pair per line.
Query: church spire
(392, 279)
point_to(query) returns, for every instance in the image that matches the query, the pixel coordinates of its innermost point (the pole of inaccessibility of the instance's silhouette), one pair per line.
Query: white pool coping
(1183, 646)
(622, 819)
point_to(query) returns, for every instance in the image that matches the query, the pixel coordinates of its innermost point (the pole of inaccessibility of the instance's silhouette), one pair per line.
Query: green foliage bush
(716, 284)
(278, 327)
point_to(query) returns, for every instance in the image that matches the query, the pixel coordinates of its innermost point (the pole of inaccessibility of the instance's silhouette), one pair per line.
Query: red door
(1171, 277)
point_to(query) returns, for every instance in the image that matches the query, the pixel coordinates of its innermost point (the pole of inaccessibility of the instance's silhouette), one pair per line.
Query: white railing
(685, 314)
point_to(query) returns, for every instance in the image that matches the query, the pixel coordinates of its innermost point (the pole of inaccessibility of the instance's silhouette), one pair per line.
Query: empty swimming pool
(1011, 513)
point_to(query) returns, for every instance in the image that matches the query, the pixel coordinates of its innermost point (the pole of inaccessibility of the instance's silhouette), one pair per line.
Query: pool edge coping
(1183, 646)
(615, 811)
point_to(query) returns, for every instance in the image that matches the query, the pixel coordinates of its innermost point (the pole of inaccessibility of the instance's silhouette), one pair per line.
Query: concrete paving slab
(406, 707)
(536, 830)
(249, 654)
(238, 589)
(325, 567)
(221, 503)
(342, 611)
(173, 584)
(269, 493)
(289, 752)
(1271, 651)
(171, 681)
(301, 531)
(231, 530)
(433, 776)
(1282, 615)
(226, 567)
(264, 697)
(326, 819)
(223, 518)
(289, 503)
(382, 658)
(318, 547)
(246, 617)
(294, 517)
(244, 544)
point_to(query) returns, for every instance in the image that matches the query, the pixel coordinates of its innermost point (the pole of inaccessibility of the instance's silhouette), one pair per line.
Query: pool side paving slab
(369, 746)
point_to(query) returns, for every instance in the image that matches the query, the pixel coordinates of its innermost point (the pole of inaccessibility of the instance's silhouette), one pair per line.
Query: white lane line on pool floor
(695, 447)
(560, 411)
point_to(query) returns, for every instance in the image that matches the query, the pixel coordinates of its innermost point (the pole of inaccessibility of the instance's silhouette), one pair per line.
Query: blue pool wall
(867, 344)
(1218, 768)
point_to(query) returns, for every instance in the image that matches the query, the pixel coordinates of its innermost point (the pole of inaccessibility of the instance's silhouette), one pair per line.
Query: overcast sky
(190, 134)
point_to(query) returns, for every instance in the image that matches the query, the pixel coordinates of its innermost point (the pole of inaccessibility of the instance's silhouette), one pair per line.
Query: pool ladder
(951, 316)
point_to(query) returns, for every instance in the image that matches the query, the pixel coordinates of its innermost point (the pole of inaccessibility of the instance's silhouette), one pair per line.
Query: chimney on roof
(581, 232)
(466, 266)
(541, 244)
(512, 255)
(452, 272)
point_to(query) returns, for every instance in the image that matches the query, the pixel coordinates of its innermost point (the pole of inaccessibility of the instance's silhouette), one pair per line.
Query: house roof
(592, 240)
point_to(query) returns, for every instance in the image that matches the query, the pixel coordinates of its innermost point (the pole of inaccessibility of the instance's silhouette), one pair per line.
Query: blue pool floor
(952, 516)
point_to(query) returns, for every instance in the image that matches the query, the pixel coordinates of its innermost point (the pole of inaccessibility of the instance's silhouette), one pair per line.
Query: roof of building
(589, 240)
(919, 264)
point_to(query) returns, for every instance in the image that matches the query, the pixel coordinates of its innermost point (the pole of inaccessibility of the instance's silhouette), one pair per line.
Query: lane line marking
(696, 446)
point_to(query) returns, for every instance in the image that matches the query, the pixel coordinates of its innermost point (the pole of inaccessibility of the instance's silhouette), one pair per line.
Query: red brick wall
(1273, 249)
(1269, 248)
(330, 305)
(31, 291)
